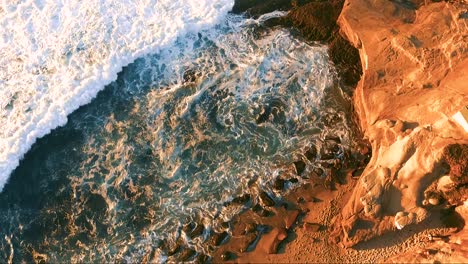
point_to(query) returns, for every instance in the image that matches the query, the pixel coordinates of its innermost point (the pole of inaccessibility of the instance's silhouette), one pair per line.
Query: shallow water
(176, 136)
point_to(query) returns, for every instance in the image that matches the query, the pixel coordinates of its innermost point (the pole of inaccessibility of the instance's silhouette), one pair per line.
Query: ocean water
(183, 106)
(56, 56)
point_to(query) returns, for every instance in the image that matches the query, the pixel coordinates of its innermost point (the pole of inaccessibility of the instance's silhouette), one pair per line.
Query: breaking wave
(56, 56)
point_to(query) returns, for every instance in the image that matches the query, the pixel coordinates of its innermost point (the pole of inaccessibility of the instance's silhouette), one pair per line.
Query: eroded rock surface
(415, 78)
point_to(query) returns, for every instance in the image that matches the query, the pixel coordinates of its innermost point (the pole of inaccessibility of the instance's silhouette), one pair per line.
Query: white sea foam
(56, 56)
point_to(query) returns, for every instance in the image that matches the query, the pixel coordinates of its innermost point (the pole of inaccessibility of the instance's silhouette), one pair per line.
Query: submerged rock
(266, 199)
(228, 255)
(300, 167)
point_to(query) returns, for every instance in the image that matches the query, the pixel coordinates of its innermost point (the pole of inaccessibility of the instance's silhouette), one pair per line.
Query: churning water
(210, 103)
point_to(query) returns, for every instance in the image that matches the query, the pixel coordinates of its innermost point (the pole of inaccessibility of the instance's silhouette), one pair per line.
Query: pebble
(434, 201)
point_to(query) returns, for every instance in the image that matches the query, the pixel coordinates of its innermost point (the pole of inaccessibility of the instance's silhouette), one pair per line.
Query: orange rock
(270, 241)
(290, 218)
(415, 72)
(312, 227)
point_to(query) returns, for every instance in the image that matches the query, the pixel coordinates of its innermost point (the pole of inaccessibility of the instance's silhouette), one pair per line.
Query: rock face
(415, 78)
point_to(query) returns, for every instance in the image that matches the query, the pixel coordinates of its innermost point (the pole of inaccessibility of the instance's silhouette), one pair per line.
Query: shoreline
(316, 224)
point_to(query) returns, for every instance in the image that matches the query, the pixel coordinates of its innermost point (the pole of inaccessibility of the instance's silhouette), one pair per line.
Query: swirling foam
(56, 56)
(173, 140)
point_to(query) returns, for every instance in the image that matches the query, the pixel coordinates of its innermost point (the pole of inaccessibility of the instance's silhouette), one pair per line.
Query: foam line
(56, 56)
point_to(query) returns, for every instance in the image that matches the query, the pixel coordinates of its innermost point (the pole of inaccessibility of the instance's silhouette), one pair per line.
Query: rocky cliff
(415, 78)
(410, 202)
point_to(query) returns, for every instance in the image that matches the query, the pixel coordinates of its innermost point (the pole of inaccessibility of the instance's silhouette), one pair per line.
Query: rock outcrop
(415, 78)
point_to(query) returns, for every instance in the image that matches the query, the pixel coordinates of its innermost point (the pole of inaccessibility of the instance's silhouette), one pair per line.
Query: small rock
(228, 256)
(241, 199)
(445, 183)
(282, 236)
(219, 238)
(327, 156)
(250, 228)
(173, 250)
(225, 225)
(290, 219)
(189, 76)
(364, 150)
(312, 227)
(335, 139)
(293, 180)
(434, 201)
(257, 208)
(279, 184)
(266, 199)
(311, 154)
(252, 181)
(270, 241)
(318, 172)
(327, 164)
(187, 228)
(315, 200)
(300, 167)
(197, 231)
(403, 219)
(266, 213)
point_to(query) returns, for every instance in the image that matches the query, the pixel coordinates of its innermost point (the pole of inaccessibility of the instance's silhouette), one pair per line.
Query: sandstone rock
(311, 153)
(219, 238)
(279, 184)
(290, 218)
(414, 76)
(266, 199)
(434, 201)
(270, 241)
(228, 256)
(445, 183)
(312, 227)
(403, 219)
(300, 167)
